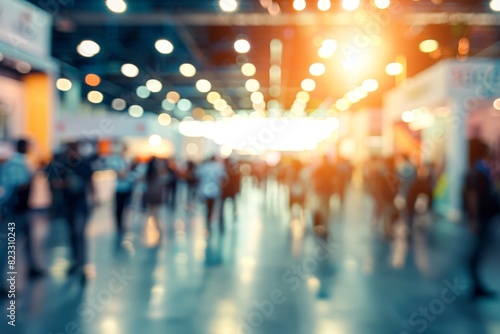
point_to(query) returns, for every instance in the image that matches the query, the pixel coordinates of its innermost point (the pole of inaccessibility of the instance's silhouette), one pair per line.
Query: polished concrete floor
(268, 273)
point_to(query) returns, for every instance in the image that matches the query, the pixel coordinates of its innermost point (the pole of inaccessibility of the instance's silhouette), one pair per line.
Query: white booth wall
(449, 89)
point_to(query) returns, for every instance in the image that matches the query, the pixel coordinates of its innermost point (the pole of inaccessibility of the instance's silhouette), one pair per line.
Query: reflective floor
(268, 273)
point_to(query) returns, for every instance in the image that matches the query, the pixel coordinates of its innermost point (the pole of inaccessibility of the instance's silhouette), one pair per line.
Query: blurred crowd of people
(401, 189)
(70, 179)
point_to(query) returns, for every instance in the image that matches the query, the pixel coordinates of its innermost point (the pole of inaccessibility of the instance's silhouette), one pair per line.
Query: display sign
(483, 79)
(25, 27)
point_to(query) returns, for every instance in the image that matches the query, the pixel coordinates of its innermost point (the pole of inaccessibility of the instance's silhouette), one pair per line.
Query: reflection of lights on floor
(314, 284)
(246, 278)
(59, 268)
(109, 326)
(351, 264)
(181, 258)
(248, 262)
(297, 228)
(151, 233)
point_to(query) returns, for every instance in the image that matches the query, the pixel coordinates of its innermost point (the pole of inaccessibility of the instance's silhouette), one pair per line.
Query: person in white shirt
(210, 176)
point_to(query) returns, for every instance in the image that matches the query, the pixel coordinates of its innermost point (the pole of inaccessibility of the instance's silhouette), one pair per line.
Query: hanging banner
(25, 27)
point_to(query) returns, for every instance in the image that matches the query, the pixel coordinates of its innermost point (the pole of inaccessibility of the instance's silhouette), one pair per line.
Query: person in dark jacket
(76, 176)
(422, 185)
(482, 206)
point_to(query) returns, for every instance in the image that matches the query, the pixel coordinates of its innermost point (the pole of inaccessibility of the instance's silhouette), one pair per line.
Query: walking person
(231, 186)
(420, 195)
(323, 178)
(482, 205)
(15, 187)
(210, 175)
(154, 194)
(78, 196)
(124, 184)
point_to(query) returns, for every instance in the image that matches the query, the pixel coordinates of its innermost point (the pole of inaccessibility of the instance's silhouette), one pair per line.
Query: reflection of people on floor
(482, 206)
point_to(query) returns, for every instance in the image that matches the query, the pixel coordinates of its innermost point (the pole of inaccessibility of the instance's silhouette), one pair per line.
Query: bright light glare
(248, 69)
(228, 5)
(303, 96)
(130, 70)
(408, 116)
(164, 119)
(88, 48)
(155, 140)
(495, 5)
(361, 92)
(308, 85)
(350, 4)
(164, 46)
(154, 85)
(382, 4)
(429, 45)
(299, 5)
(496, 104)
(220, 104)
(212, 97)
(203, 85)
(116, 6)
(352, 97)
(257, 97)
(370, 85)
(394, 69)
(135, 111)
(226, 150)
(187, 70)
(63, 84)
(233, 133)
(328, 48)
(324, 5)
(252, 85)
(173, 97)
(342, 104)
(184, 105)
(242, 46)
(317, 69)
(95, 96)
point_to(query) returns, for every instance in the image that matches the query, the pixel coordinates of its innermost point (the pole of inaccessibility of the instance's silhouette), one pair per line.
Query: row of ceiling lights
(120, 6)
(349, 5)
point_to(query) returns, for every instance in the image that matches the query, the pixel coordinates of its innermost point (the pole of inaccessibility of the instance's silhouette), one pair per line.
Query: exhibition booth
(27, 75)
(431, 116)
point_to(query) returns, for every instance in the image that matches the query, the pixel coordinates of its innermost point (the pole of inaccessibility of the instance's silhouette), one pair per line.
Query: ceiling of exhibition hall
(339, 44)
